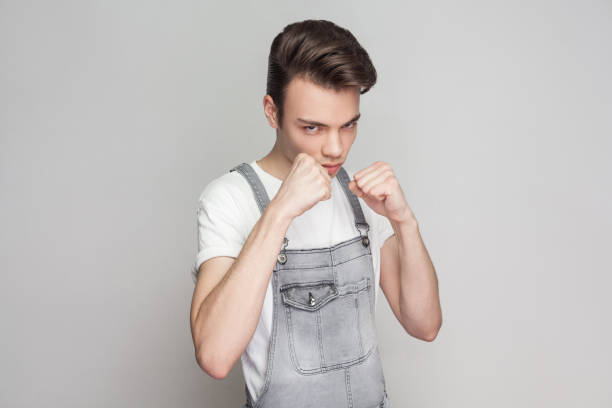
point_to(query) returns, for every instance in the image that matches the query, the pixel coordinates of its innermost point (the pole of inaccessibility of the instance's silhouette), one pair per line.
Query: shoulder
(229, 188)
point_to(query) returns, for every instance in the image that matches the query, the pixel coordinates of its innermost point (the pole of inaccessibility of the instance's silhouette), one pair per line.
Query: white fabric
(227, 212)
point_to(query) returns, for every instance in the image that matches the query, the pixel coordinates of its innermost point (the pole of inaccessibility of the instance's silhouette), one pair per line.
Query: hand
(306, 184)
(381, 191)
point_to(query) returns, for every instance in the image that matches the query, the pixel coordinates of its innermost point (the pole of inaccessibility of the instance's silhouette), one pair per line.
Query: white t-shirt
(227, 212)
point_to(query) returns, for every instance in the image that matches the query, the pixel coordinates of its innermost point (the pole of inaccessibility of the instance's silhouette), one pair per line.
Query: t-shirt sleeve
(220, 225)
(383, 228)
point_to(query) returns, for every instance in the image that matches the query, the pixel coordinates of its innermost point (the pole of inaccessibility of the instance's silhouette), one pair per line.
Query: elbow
(431, 334)
(426, 331)
(211, 365)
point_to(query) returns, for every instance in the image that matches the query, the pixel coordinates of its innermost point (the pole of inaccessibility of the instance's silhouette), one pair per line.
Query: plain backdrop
(496, 117)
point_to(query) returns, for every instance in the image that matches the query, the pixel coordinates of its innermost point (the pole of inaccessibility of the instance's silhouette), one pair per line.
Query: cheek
(305, 143)
(297, 143)
(349, 139)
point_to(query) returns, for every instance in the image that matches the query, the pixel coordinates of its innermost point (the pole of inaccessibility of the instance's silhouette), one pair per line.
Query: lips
(332, 168)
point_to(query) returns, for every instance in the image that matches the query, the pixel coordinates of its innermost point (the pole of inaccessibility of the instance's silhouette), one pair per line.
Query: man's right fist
(306, 184)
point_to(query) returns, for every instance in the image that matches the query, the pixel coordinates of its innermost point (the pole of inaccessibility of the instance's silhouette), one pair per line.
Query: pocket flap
(309, 296)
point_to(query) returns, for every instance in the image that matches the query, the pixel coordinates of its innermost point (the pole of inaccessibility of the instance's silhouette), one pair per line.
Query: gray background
(496, 117)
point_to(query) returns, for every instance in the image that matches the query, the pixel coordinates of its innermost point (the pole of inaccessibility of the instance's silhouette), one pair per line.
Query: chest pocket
(329, 326)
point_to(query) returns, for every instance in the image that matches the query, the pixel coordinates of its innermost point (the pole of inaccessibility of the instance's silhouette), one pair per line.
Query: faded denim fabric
(323, 348)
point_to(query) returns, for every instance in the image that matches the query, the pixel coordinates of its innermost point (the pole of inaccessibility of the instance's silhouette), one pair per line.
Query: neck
(275, 163)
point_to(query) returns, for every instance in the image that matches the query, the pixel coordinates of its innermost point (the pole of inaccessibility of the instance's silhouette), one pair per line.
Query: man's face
(318, 121)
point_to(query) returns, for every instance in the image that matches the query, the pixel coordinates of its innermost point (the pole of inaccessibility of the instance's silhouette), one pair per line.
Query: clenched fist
(381, 191)
(306, 184)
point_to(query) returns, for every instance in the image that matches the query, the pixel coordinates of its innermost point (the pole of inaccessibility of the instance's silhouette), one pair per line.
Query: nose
(333, 144)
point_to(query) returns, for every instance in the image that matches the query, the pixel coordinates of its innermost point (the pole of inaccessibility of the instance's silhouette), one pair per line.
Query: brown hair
(320, 51)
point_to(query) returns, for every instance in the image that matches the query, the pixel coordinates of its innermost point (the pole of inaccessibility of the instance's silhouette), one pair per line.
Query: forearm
(228, 316)
(419, 298)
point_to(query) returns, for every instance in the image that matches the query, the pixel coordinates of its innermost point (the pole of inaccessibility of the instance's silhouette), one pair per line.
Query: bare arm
(409, 282)
(229, 294)
(407, 275)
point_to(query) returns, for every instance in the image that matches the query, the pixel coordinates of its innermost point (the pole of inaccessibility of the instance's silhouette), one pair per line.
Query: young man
(289, 284)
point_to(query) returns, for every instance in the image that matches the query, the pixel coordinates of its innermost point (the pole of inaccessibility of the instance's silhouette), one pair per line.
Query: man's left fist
(379, 188)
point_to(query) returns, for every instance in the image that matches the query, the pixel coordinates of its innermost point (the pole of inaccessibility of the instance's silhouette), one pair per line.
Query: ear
(270, 111)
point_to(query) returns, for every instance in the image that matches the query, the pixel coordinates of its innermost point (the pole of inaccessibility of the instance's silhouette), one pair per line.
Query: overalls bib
(323, 350)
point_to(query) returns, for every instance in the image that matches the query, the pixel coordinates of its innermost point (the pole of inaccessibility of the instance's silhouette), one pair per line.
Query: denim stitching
(307, 267)
(347, 381)
(353, 199)
(337, 366)
(320, 282)
(358, 325)
(325, 249)
(352, 259)
(290, 339)
(262, 200)
(325, 367)
(359, 287)
(320, 339)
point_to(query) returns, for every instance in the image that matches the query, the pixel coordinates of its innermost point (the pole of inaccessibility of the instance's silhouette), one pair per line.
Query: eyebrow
(312, 122)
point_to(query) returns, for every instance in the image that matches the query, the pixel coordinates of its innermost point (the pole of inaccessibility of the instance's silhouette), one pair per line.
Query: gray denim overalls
(323, 349)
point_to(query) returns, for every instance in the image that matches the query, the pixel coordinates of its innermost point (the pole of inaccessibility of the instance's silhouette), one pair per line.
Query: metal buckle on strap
(364, 236)
(282, 257)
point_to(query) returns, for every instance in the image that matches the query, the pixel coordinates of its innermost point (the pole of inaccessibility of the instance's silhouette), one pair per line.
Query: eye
(351, 125)
(309, 128)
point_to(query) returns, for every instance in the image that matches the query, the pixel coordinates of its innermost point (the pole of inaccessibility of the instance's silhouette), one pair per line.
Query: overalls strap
(261, 196)
(359, 218)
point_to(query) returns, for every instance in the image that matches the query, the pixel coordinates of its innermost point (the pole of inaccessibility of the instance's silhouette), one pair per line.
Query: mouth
(331, 169)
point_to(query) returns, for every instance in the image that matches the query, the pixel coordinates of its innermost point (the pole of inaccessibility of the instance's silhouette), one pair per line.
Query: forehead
(305, 99)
